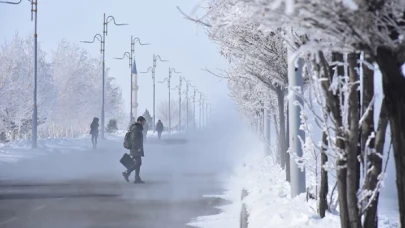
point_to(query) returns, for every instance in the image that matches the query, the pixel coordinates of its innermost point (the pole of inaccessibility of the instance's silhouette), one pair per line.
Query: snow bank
(269, 203)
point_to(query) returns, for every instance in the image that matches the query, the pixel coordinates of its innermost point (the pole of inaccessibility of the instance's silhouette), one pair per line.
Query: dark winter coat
(137, 140)
(94, 128)
(159, 126)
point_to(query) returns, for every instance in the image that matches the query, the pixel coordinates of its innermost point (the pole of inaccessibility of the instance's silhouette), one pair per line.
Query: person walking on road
(94, 131)
(159, 128)
(136, 152)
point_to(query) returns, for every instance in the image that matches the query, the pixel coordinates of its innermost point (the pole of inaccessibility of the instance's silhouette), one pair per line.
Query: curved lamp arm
(99, 38)
(108, 20)
(136, 39)
(172, 70)
(150, 69)
(165, 80)
(12, 3)
(177, 87)
(111, 18)
(126, 54)
(157, 57)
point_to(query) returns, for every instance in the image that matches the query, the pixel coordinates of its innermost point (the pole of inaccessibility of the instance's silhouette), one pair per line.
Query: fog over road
(85, 188)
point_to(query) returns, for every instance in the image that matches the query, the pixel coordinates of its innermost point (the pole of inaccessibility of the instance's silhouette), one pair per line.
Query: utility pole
(295, 80)
(101, 38)
(134, 85)
(153, 70)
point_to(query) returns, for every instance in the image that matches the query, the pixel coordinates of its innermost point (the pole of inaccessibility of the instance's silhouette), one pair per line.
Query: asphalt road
(85, 189)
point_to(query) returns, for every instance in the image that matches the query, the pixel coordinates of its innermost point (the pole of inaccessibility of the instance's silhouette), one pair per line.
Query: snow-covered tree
(79, 87)
(17, 86)
(338, 29)
(373, 27)
(69, 90)
(148, 117)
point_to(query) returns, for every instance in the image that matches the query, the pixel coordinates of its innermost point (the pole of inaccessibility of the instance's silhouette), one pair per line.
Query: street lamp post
(187, 100)
(194, 121)
(179, 88)
(180, 103)
(134, 85)
(168, 86)
(202, 111)
(101, 38)
(187, 85)
(34, 17)
(171, 70)
(153, 69)
(200, 104)
(206, 114)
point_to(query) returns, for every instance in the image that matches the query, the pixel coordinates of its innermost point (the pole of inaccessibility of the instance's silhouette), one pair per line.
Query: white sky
(158, 22)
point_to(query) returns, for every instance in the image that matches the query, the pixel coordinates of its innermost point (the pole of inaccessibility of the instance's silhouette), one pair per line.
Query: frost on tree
(69, 90)
(17, 85)
(329, 35)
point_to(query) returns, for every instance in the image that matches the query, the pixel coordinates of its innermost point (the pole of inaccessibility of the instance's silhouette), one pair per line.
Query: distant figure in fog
(94, 131)
(159, 128)
(145, 130)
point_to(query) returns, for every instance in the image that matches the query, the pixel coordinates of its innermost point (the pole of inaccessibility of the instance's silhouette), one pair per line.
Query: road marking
(8, 221)
(39, 208)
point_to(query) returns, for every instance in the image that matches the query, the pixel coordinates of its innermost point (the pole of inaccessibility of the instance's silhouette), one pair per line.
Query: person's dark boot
(126, 176)
(138, 180)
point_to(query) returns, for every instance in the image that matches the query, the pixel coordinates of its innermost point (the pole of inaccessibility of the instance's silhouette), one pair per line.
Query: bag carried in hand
(127, 161)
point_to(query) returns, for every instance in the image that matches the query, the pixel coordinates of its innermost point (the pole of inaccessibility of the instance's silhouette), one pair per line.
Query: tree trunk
(394, 93)
(323, 190)
(367, 142)
(281, 142)
(287, 155)
(333, 106)
(276, 125)
(352, 142)
(375, 164)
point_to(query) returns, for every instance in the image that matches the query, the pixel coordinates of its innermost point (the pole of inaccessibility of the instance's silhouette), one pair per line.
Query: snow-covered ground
(269, 203)
(21, 149)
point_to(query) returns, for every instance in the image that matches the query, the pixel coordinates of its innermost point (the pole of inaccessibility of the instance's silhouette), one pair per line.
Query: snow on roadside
(269, 203)
(21, 149)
